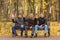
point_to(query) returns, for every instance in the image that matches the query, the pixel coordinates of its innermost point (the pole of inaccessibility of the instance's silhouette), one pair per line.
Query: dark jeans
(27, 28)
(14, 28)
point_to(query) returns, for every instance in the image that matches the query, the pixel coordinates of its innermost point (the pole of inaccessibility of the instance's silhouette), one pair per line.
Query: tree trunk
(48, 9)
(59, 9)
(41, 11)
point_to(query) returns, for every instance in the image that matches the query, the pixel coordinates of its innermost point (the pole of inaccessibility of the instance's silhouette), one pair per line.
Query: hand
(24, 15)
(12, 16)
(40, 25)
(31, 27)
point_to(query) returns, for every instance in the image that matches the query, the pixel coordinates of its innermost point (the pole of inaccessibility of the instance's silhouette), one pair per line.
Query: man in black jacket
(32, 21)
(29, 23)
(19, 24)
(42, 24)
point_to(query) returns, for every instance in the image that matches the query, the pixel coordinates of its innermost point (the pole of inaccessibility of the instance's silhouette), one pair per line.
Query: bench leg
(45, 30)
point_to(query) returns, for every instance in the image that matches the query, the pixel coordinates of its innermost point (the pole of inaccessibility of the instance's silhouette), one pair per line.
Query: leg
(45, 29)
(26, 31)
(36, 28)
(33, 29)
(14, 30)
(21, 32)
(21, 28)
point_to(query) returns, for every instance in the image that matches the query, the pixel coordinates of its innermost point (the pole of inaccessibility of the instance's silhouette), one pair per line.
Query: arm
(14, 21)
(45, 20)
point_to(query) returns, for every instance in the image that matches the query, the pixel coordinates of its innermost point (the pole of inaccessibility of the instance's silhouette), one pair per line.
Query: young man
(32, 22)
(29, 23)
(19, 24)
(42, 24)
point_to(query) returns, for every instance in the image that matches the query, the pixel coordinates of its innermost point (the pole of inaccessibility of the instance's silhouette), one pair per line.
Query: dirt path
(22, 38)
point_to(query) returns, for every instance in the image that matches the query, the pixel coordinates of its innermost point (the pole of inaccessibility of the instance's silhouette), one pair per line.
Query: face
(19, 16)
(24, 15)
(12, 16)
(31, 15)
(42, 15)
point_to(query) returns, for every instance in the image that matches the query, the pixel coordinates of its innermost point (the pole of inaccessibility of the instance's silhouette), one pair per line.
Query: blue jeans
(33, 30)
(14, 28)
(41, 26)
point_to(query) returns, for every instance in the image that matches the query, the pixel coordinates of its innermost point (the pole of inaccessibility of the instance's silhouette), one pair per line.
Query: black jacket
(30, 22)
(42, 20)
(35, 21)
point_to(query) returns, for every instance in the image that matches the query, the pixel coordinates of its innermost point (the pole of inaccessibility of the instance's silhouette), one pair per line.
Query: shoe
(35, 35)
(14, 35)
(21, 34)
(26, 35)
(48, 35)
(45, 35)
(31, 36)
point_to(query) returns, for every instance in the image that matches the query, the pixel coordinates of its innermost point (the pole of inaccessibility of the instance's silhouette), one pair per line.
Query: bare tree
(59, 8)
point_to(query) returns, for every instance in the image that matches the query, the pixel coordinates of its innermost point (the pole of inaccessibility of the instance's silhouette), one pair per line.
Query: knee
(45, 25)
(13, 28)
(36, 26)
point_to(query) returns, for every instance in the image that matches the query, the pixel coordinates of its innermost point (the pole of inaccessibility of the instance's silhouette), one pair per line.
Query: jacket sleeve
(14, 21)
(45, 20)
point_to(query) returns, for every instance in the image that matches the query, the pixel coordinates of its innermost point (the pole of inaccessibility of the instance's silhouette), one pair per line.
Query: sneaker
(14, 35)
(31, 36)
(26, 35)
(35, 35)
(45, 35)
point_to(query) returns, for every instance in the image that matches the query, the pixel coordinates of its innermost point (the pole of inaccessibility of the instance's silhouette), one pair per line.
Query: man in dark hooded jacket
(42, 24)
(19, 24)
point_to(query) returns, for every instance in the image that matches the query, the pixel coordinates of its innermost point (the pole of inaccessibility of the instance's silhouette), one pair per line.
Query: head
(19, 16)
(36, 16)
(31, 15)
(42, 15)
